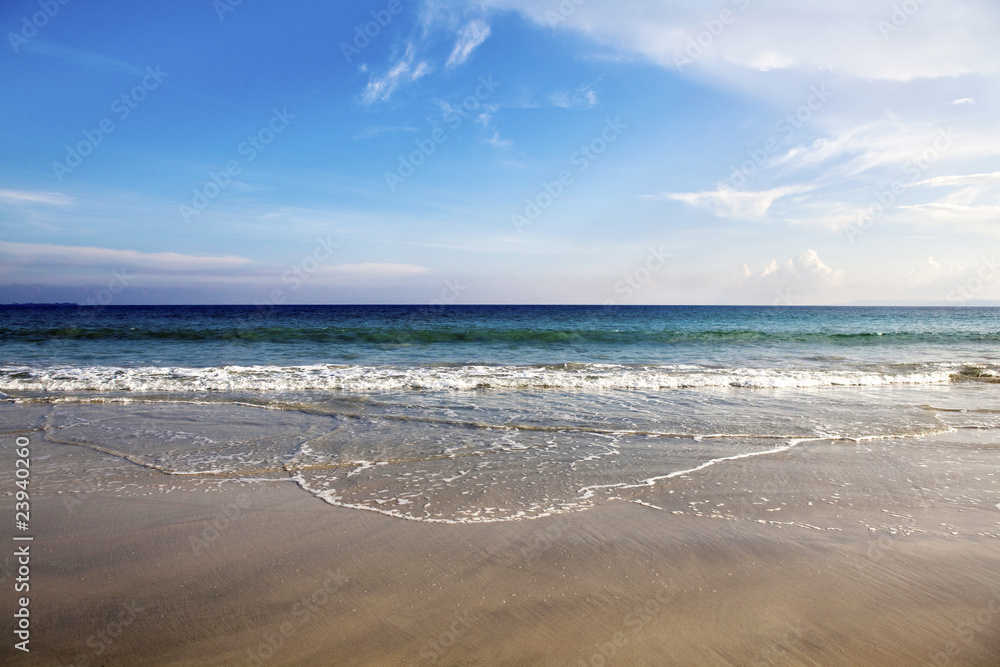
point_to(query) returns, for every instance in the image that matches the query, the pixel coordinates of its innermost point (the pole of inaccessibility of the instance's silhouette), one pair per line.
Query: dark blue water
(205, 336)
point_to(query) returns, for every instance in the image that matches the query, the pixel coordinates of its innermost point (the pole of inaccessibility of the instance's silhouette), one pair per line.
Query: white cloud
(42, 255)
(584, 97)
(470, 36)
(973, 201)
(928, 273)
(36, 197)
(48, 264)
(856, 150)
(766, 61)
(894, 90)
(848, 170)
(965, 179)
(945, 214)
(410, 68)
(805, 275)
(381, 88)
(847, 37)
(809, 264)
(802, 279)
(491, 137)
(728, 203)
(495, 141)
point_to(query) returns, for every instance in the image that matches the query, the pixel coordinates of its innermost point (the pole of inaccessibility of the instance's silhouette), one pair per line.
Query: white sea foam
(588, 491)
(462, 378)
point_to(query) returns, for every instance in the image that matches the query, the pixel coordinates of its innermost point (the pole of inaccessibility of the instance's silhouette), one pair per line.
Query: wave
(501, 336)
(588, 377)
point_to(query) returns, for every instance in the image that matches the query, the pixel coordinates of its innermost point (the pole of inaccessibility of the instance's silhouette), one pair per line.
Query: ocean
(462, 414)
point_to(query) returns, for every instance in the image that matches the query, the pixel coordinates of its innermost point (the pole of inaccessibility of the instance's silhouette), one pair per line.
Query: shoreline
(847, 563)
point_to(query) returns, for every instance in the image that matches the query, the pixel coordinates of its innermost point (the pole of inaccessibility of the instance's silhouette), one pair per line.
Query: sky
(788, 152)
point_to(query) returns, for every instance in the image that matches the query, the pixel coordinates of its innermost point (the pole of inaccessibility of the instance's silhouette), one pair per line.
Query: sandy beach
(831, 553)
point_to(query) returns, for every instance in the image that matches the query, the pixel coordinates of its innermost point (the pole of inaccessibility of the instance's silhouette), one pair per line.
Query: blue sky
(504, 151)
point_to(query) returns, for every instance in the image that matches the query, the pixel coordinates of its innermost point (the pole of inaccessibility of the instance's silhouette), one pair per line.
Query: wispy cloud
(491, 136)
(409, 68)
(584, 97)
(81, 57)
(470, 36)
(495, 141)
(966, 179)
(951, 214)
(972, 199)
(376, 130)
(36, 197)
(45, 254)
(406, 70)
(728, 203)
(855, 150)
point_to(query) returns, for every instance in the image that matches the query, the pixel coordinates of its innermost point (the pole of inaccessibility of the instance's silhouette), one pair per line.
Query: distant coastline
(40, 305)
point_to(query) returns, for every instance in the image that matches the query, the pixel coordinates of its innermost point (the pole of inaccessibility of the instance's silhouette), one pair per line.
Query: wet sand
(832, 553)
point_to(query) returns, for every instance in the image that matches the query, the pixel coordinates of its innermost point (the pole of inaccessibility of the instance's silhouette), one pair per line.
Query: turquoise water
(411, 336)
(484, 413)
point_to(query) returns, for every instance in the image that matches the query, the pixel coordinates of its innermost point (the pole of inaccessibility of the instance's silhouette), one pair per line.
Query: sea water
(488, 413)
